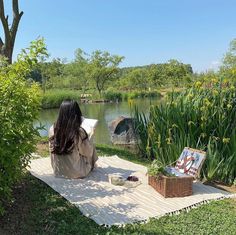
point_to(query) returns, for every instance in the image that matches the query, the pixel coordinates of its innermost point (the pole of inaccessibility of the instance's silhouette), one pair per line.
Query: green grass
(54, 98)
(38, 209)
(102, 150)
(130, 155)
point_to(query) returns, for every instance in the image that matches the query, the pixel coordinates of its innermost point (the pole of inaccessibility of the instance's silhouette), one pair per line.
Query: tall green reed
(202, 117)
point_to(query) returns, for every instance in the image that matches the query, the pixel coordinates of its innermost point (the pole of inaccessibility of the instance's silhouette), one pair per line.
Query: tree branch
(4, 22)
(15, 8)
(1, 45)
(2, 14)
(16, 19)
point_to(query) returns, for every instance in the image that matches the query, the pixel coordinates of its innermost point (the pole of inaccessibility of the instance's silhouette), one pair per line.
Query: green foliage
(103, 68)
(54, 98)
(113, 96)
(145, 78)
(200, 118)
(228, 68)
(156, 168)
(19, 106)
(99, 71)
(110, 94)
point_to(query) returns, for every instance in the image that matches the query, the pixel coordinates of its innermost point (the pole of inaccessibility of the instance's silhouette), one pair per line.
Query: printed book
(89, 125)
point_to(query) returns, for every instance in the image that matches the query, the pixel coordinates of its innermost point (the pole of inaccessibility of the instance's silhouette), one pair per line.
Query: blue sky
(144, 31)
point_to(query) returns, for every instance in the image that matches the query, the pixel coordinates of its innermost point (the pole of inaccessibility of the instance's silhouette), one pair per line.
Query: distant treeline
(100, 72)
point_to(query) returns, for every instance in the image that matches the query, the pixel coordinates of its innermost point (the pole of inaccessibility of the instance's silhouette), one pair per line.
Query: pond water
(104, 112)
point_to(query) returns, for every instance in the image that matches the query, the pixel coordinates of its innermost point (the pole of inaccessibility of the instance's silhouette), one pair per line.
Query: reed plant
(202, 117)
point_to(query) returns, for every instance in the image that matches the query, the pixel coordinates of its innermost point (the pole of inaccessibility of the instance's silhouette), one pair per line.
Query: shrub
(113, 96)
(19, 105)
(123, 96)
(201, 118)
(143, 94)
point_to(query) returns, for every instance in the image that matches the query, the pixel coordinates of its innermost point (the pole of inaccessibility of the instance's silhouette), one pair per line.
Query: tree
(155, 74)
(6, 47)
(49, 71)
(178, 72)
(228, 68)
(103, 68)
(229, 60)
(138, 78)
(80, 70)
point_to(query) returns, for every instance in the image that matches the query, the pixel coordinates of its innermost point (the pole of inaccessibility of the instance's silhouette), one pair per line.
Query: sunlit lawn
(38, 209)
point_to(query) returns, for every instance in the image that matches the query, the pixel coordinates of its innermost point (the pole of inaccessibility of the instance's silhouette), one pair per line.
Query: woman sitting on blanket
(73, 154)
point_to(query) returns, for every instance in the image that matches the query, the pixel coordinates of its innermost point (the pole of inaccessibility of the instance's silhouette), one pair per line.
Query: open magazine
(89, 125)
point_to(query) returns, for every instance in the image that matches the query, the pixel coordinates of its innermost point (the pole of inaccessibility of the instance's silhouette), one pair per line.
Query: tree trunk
(6, 47)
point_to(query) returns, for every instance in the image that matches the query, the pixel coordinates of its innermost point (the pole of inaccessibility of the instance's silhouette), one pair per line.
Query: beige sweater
(77, 164)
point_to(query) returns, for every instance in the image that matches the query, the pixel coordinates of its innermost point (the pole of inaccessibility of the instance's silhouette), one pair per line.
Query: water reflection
(104, 112)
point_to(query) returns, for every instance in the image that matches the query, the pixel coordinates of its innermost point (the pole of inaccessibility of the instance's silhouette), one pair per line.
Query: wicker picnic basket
(172, 186)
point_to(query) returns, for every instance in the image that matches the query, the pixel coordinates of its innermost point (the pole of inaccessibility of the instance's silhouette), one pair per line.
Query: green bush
(202, 117)
(113, 96)
(19, 106)
(142, 94)
(124, 96)
(54, 98)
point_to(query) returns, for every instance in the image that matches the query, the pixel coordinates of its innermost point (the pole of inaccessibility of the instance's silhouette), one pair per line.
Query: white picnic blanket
(109, 204)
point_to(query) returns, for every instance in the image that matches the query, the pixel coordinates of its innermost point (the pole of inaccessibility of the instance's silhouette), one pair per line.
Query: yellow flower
(215, 92)
(198, 84)
(213, 80)
(159, 141)
(190, 96)
(226, 140)
(131, 102)
(168, 140)
(207, 102)
(202, 108)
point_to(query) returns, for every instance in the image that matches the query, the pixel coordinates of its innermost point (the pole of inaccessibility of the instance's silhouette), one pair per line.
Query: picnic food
(132, 178)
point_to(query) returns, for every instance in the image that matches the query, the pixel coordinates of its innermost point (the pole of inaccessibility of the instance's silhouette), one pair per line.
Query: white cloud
(214, 65)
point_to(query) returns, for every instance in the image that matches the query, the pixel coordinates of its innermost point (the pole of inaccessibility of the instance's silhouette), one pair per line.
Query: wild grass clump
(113, 96)
(141, 94)
(54, 98)
(202, 117)
(124, 96)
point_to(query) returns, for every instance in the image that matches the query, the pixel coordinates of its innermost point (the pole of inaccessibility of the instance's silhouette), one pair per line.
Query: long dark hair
(67, 127)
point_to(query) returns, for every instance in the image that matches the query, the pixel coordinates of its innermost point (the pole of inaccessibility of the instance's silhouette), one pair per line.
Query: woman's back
(72, 153)
(76, 164)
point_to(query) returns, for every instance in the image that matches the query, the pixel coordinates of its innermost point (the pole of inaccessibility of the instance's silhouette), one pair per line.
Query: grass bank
(124, 96)
(53, 98)
(37, 209)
